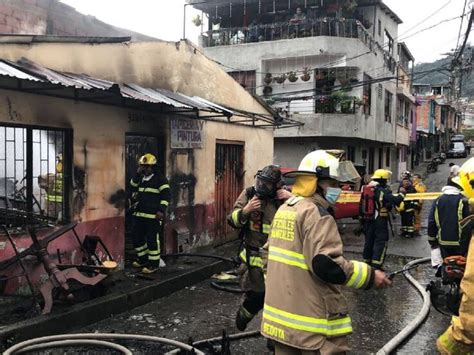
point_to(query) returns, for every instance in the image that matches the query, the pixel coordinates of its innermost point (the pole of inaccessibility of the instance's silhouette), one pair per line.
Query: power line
(462, 21)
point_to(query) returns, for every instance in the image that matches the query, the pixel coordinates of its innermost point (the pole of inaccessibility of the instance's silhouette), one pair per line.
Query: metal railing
(332, 27)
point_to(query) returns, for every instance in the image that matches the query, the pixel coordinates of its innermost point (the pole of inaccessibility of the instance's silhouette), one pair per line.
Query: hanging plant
(197, 20)
(292, 77)
(280, 79)
(306, 74)
(267, 90)
(268, 78)
(345, 85)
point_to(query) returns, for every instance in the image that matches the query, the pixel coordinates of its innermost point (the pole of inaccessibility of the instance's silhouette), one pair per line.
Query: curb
(95, 310)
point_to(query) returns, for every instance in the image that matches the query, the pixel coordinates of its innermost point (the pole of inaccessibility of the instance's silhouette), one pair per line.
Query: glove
(436, 259)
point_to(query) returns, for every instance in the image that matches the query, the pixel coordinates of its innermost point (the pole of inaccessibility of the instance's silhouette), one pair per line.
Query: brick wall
(51, 17)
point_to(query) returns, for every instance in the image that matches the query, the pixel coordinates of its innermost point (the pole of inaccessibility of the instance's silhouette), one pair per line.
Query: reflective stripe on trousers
(328, 327)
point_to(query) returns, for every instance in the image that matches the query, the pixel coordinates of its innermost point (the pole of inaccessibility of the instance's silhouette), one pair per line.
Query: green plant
(197, 20)
(268, 78)
(306, 74)
(280, 79)
(292, 77)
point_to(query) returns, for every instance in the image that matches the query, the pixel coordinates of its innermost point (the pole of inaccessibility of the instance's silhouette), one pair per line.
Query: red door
(229, 182)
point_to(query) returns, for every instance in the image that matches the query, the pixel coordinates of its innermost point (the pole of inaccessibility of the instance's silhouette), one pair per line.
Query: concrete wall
(314, 52)
(51, 17)
(168, 65)
(99, 156)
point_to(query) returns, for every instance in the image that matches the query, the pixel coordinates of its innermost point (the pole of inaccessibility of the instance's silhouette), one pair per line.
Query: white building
(332, 67)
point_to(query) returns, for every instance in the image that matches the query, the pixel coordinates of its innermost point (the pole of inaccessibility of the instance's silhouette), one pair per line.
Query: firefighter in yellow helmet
(459, 337)
(153, 197)
(420, 187)
(53, 185)
(376, 221)
(305, 311)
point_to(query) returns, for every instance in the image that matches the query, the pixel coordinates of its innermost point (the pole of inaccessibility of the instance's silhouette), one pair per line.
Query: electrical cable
(460, 27)
(230, 260)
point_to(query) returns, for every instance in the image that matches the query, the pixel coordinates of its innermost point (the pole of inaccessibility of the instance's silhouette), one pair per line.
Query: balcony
(333, 27)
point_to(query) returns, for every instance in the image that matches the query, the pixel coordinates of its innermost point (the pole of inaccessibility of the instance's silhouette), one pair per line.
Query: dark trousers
(376, 238)
(146, 241)
(408, 223)
(253, 301)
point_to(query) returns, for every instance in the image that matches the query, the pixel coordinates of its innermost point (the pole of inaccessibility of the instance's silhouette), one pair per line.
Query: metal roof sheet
(7, 70)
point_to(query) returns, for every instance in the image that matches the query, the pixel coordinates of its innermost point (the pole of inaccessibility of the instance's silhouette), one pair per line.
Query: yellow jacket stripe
(359, 276)
(333, 327)
(162, 187)
(145, 215)
(54, 198)
(255, 261)
(287, 257)
(164, 203)
(235, 218)
(133, 183)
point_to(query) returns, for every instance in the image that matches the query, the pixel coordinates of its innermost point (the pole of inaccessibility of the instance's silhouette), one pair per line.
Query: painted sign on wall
(187, 134)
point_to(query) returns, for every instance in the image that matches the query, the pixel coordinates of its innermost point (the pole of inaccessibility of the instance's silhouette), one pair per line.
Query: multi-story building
(406, 110)
(437, 118)
(328, 64)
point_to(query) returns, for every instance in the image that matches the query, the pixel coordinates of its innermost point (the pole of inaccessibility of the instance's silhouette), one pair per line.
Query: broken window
(33, 188)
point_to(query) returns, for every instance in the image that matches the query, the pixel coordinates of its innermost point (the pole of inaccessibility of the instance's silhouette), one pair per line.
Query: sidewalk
(126, 290)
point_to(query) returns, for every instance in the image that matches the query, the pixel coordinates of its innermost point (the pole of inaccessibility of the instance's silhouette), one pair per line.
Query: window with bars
(33, 170)
(388, 106)
(367, 98)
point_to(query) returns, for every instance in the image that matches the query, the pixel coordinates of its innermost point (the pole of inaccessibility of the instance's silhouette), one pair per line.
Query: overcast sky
(164, 19)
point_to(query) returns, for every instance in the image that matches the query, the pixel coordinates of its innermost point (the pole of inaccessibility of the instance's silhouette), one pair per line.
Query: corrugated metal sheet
(155, 97)
(214, 106)
(8, 70)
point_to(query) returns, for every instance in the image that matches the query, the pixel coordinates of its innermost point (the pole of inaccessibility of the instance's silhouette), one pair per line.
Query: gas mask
(332, 194)
(263, 190)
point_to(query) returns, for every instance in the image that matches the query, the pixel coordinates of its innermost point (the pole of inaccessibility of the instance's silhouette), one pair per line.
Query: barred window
(33, 171)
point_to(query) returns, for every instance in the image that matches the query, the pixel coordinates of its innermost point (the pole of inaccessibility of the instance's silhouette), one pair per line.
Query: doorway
(228, 182)
(135, 147)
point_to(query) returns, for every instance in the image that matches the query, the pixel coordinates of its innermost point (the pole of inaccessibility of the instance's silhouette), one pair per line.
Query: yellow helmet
(324, 164)
(147, 159)
(382, 174)
(465, 179)
(59, 164)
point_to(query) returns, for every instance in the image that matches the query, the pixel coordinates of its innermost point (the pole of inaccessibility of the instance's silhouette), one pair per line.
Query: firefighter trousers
(338, 345)
(376, 238)
(408, 222)
(146, 241)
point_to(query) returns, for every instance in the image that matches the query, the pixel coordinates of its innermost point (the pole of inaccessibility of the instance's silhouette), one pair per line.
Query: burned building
(76, 115)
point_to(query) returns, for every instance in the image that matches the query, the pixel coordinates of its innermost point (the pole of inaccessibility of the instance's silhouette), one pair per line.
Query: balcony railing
(347, 28)
(332, 104)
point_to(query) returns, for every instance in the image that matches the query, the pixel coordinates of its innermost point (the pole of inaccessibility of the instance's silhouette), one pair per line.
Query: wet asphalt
(200, 312)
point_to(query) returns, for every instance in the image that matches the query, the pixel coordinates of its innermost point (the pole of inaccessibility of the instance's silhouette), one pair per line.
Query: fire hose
(406, 332)
(95, 340)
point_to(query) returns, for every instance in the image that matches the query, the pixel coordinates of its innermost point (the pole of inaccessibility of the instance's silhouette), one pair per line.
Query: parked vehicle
(458, 138)
(457, 149)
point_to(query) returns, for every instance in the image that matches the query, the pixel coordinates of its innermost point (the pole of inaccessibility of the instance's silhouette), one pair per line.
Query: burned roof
(27, 76)
(27, 39)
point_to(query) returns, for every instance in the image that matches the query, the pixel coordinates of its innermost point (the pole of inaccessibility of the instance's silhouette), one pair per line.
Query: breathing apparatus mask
(268, 181)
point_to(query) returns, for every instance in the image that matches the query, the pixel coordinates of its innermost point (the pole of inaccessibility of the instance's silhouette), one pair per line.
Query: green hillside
(441, 77)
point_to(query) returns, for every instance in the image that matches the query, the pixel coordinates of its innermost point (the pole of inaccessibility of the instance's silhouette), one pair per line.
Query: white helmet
(323, 164)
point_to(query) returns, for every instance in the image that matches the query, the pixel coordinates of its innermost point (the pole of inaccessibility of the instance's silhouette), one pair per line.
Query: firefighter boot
(243, 318)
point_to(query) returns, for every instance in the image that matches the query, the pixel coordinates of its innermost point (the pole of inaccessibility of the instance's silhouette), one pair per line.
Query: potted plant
(280, 79)
(306, 74)
(268, 78)
(292, 77)
(267, 90)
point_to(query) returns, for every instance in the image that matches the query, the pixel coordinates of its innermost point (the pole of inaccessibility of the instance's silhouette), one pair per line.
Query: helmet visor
(345, 171)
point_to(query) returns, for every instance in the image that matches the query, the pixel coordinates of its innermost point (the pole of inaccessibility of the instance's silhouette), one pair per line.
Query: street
(200, 312)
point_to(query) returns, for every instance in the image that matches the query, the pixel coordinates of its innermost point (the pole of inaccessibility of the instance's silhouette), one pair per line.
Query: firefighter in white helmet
(305, 311)
(459, 337)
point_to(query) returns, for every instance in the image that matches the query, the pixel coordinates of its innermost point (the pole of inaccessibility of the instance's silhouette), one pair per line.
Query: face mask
(332, 194)
(264, 192)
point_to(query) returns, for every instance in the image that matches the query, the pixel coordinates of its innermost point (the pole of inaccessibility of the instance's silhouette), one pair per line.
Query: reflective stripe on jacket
(257, 225)
(153, 195)
(300, 309)
(443, 222)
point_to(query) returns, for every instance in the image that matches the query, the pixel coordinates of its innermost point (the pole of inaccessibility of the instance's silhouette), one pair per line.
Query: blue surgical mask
(332, 195)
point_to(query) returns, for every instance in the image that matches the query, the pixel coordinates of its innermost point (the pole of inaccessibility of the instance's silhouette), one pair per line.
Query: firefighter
(253, 214)
(459, 337)
(420, 187)
(153, 196)
(53, 185)
(305, 311)
(407, 211)
(376, 226)
(447, 211)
